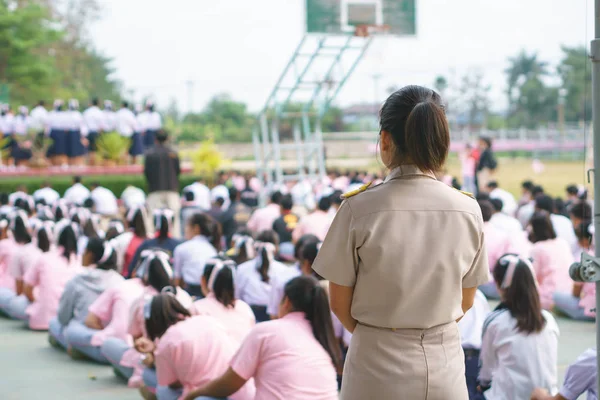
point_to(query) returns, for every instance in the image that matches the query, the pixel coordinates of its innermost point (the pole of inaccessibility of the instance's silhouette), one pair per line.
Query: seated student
(27, 256)
(497, 243)
(90, 229)
(192, 351)
(552, 258)
(45, 281)
(154, 273)
(316, 223)
(243, 247)
(580, 303)
(60, 210)
(8, 246)
(163, 221)
(127, 243)
(68, 329)
(253, 278)
(203, 236)
(580, 212)
(284, 227)
(294, 357)
(581, 377)
(115, 228)
(518, 333)
(220, 302)
(471, 328)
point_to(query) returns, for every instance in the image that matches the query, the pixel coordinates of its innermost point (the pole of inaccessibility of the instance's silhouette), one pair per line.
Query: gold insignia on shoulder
(357, 191)
(467, 194)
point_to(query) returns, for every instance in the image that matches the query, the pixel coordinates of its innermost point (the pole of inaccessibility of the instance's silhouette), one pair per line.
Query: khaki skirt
(410, 364)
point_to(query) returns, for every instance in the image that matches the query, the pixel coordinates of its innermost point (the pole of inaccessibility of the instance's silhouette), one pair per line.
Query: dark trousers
(194, 290)
(472, 372)
(260, 312)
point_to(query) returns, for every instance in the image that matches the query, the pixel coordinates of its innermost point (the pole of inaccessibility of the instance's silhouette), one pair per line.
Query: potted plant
(112, 148)
(207, 160)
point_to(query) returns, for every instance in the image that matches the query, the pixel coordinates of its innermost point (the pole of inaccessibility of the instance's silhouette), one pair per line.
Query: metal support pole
(299, 149)
(595, 53)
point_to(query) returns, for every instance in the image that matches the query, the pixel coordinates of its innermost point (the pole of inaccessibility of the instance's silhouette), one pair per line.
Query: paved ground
(30, 369)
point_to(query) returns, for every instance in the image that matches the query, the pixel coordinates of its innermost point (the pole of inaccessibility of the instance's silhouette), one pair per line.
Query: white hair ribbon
(148, 306)
(580, 190)
(148, 256)
(246, 241)
(133, 210)
(108, 250)
(3, 223)
(591, 229)
(18, 214)
(219, 264)
(117, 225)
(163, 212)
(268, 247)
(511, 261)
(48, 227)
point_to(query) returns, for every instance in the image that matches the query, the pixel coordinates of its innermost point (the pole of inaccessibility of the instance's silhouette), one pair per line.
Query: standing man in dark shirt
(236, 216)
(248, 196)
(162, 169)
(284, 226)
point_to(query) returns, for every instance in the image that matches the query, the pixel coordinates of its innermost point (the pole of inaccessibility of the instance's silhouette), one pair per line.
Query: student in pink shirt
(220, 302)
(154, 274)
(7, 248)
(46, 280)
(127, 243)
(317, 223)
(26, 257)
(580, 303)
(192, 350)
(262, 219)
(497, 244)
(468, 165)
(293, 357)
(552, 258)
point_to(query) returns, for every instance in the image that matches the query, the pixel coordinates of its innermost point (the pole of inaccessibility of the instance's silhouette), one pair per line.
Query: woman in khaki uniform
(404, 260)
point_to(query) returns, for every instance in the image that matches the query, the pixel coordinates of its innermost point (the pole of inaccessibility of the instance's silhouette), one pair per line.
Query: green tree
(531, 101)
(473, 98)
(575, 71)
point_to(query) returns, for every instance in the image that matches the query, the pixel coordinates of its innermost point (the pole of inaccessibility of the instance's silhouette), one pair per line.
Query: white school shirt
(126, 122)
(75, 122)
(105, 201)
(278, 288)
(506, 224)
(7, 123)
(77, 194)
(154, 121)
(249, 285)
(516, 363)
(39, 118)
(109, 122)
(13, 197)
(525, 213)
(21, 124)
(509, 204)
(471, 325)
(201, 195)
(133, 196)
(564, 229)
(93, 118)
(222, 192)
(49, 195)
(581, 377)
(189, 259)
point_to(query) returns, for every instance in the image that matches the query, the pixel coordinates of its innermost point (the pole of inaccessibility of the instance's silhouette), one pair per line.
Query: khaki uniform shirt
(408, 247)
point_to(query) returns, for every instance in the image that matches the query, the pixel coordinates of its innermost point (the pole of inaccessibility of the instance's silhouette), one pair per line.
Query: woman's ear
(204, 286)
(285, 307)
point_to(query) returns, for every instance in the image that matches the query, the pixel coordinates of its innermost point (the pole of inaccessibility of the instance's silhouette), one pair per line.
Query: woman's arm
(577, 287)
(222, 387)
(92, 321)
(468, 298)
(341, 304)
(19, 287)
(28, 292)
(542, 394)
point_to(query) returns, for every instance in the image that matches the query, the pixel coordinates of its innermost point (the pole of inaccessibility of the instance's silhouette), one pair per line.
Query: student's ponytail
(136, 220)
(209, 228)
(161, 312)
(218, 274)
(67, 238)
(163, 222)
(43, 235)
(18, 227)
(515, 277)
(266, 248)
(306, 295)
(104, 255)
(155, 269)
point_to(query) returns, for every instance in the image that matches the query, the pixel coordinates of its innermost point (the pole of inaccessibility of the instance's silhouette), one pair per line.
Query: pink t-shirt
(551, 262)
(263, 218)
(194, 352)
(237, 320)
(49, 275)
(113, 308)
(286, 361)
(497, 244)
(25, 257)
(467, 162)
(316, 223)
(8, 247)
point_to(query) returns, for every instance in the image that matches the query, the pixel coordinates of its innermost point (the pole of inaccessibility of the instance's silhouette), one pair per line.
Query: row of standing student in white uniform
(74, 134)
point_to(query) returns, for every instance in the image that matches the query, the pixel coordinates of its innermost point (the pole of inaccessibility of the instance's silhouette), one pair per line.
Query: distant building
(361, 117)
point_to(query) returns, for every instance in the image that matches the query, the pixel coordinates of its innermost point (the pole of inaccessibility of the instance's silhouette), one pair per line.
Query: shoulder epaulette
(357, 191)
(467, 194)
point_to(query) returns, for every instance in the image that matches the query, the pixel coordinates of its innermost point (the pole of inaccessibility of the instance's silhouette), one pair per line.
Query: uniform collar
(405, 171)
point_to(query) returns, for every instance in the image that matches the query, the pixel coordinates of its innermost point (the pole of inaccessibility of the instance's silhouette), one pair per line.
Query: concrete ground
(31, 369)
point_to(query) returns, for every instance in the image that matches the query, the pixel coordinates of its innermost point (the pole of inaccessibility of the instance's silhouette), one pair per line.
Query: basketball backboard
(343, 16)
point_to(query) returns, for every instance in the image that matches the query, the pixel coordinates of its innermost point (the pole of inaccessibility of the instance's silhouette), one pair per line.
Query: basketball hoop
(368, 30)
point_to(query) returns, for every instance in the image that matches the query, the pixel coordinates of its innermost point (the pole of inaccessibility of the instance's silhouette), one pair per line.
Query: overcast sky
(241, 46)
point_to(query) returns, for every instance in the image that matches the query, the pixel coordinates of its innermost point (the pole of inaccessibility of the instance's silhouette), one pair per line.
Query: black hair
(536, 191)
(138, 224)
(487, 140)
(43, 240)
(268, 236)
(163, 233)
(527, 185)
(492, 185)
(287, 203)
(89, 229)
(124, 104)
(23, 204)
(482, 196)
(541, 227)
(310, 251)
(276, 197)
(572, 190)
(41, 103)
(95, 101)
(306, 295)
(487, 209)
(336, 197)
(498, 204)
(96, 247)
(209, 228)
(19, 230)
(111, 233)
(4, 198)
(582, 231)
(162, 136)
(77, 179)
(233, 193)
(414, 117)
(59, 214)
(544, 202)
(189, 195)
(165, 311)
(40, 202)
(223, 287)
(582, 210)
(220, 201)
(304, 239)
(88, 203)
(157, 277)
(324, 203)
(521, 297)
(67, 239)
(560, 207)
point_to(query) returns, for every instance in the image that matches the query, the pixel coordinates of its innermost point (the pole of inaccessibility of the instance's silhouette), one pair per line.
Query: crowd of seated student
(184, 319)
